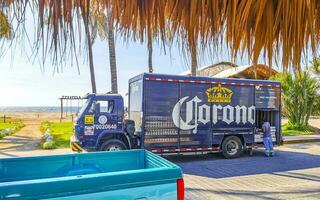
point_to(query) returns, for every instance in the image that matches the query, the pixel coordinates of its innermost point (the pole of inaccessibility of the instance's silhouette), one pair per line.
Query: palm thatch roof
(231, 70)
(282, 29)
(259, 71)
(211, 70)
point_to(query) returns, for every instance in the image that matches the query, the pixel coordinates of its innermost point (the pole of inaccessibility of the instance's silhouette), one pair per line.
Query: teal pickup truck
(117, 175)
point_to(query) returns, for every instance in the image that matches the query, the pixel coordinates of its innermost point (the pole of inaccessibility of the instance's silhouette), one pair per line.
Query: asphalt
(294, 173)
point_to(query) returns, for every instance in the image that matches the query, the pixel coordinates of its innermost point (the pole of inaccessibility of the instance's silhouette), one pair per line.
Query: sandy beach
(33, 116)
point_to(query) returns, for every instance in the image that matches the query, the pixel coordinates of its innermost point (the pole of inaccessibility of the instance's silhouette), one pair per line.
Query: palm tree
(112, 56)
(85, 16)
(194, 63)
(150, 65)
(104, 27)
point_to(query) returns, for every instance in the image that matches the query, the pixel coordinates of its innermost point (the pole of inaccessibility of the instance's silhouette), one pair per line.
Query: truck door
(106, 117)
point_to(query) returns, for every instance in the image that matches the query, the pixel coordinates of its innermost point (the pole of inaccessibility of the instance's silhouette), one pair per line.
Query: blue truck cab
(181, 114)
(100, 124)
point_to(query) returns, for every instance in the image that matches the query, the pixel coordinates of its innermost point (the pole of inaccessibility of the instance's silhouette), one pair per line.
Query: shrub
(9, 128)
(2, 135)
(44, 126)
(59, 133)
(293, 129)
(299, 96)
(48, 145)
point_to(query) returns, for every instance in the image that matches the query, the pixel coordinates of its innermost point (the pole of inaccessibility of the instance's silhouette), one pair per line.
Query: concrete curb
(301, 141)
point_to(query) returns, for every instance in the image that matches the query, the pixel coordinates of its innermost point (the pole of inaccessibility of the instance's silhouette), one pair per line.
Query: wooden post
(61, 109)
(4, 118)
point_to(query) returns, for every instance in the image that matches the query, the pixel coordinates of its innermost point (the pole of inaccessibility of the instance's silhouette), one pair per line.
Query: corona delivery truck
(178, 114)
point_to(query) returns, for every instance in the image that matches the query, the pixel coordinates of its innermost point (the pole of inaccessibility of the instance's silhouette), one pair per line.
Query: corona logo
(219, 94)
(197, 113)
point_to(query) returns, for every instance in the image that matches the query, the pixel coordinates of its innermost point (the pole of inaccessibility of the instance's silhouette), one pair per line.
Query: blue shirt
(266, 129)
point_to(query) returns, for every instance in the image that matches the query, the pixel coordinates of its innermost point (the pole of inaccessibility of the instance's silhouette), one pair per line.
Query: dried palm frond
(283, 29)
(262, 28)
(5, 26)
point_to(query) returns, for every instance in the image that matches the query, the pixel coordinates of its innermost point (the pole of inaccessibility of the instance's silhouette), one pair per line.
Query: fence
(7, 119)
(34, 117)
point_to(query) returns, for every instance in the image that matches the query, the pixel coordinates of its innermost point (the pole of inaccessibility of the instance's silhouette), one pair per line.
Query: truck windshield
(84, 106)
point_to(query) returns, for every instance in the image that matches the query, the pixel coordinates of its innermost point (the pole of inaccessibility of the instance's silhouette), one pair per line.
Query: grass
(12, 125)
(61, 133)
(294, 130)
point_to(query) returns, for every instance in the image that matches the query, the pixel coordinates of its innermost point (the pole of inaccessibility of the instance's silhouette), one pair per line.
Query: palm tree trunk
(112, 56)
(194, 64)
(150, 56)
(89, 43)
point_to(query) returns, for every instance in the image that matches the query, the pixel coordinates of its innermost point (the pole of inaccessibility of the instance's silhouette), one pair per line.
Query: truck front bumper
(74, 144)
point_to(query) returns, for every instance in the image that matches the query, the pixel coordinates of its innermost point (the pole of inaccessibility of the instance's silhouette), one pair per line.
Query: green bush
(299, 96)
(2, 135)
(44, 126)
(13, 126)
(294, 130)
(48, 145)
(61, 133)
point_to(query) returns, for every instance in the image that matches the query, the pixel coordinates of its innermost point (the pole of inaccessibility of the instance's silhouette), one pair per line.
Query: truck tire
(113, 145)
(232, 147)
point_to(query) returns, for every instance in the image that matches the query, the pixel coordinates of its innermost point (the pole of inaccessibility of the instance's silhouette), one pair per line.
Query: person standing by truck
(267, 138)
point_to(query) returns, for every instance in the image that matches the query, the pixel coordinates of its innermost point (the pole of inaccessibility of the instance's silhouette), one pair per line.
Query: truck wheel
(232, 147)
(113, 145)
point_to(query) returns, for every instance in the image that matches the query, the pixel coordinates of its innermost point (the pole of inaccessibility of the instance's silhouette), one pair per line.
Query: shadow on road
(214, 166)
(18, 143)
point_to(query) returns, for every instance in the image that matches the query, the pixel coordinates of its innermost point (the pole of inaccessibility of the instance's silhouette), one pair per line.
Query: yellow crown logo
(219, 94)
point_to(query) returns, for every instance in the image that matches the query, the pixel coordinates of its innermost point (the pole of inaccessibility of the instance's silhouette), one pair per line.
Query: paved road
(293, 174)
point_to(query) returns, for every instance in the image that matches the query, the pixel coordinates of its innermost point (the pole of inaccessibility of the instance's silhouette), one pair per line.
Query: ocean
(37, 109)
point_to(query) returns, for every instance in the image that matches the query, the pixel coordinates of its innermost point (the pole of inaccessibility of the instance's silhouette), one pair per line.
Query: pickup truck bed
(135, 174)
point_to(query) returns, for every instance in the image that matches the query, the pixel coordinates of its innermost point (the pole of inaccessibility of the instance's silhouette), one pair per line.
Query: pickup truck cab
(125, 175)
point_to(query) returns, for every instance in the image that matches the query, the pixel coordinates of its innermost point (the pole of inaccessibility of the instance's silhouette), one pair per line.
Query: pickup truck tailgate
(135, 174)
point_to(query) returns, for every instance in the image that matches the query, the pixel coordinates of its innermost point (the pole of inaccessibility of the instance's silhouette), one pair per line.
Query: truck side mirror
(97, 108)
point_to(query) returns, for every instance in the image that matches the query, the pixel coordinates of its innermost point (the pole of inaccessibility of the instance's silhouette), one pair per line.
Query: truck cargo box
(182, 113)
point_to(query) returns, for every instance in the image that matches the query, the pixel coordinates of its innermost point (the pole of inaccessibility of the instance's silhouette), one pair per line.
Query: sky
(23, 83)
